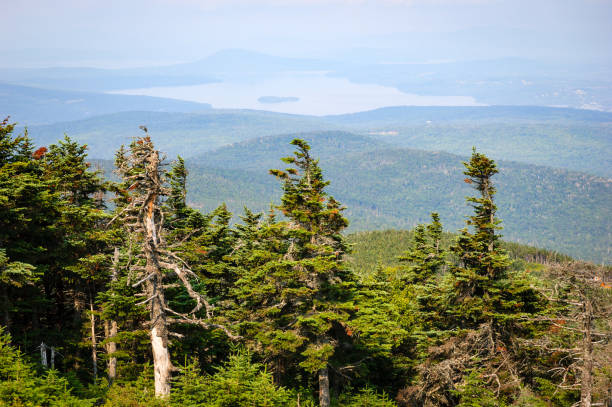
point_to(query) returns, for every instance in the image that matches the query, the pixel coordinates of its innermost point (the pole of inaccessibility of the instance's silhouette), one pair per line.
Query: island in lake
(277, 99)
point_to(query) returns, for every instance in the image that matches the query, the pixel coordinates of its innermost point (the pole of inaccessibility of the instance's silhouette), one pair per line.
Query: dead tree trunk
(43, 355)
(583, 289)
(110, 328)
(110, 331)
(94, 345)
(144, 219)
(159, 328)
(586, 385)
(324, 398)
(154, 284)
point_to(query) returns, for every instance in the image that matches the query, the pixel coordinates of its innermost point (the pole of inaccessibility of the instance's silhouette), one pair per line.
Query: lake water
(318, 94)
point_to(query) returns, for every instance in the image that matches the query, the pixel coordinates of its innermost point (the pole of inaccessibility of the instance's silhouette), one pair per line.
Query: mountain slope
(419, 114)
(187, 134)
(100, 80)
(383, 247)
(226, 64)
(578, 140)
(30, 106)
(397, 188)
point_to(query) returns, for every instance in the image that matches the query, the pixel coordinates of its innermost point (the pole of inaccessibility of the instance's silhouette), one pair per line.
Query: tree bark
(94, 345)
(158, 320)
(43, 355)
(159, 335)
(586, 379)
(324, 399)
(110, 329)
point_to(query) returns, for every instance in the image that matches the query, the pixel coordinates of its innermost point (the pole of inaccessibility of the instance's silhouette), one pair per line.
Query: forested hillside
(187, 134)
(120, 293)
(35, 106)
(397, 188)
(573, 139)
(384, 248)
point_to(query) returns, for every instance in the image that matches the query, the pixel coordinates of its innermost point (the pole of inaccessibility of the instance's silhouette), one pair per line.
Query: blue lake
(317, 94)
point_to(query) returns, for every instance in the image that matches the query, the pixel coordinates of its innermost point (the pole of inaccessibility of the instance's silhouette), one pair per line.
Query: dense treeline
(385, 247)
(120, 294)
(398, 188)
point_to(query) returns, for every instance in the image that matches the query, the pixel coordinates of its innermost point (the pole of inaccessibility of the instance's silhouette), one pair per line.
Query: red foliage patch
(40, 153)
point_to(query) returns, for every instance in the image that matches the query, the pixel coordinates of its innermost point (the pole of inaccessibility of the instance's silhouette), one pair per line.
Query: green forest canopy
(270, 312)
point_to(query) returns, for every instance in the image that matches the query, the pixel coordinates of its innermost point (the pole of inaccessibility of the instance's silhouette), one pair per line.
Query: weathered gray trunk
(43, 355)
(158, 321)
(94, 344)
(324, 398)
(586, 379)
(110, 328)
(159, 337)
(110, 331)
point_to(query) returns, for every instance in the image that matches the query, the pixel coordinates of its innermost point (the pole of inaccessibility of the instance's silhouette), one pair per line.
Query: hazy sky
(133, 32)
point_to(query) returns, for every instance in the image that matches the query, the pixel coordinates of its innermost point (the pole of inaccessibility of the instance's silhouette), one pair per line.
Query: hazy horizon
(160, 32)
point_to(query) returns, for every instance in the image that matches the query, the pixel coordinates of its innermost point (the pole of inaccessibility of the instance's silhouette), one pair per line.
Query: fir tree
(80, 265)
(303, 292)
(482, 308)
(426, 258)
(483, 291)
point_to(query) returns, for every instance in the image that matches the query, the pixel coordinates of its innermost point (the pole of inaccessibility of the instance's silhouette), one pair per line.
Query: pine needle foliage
(482, 288)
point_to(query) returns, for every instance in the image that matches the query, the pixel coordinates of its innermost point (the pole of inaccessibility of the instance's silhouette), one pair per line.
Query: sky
(121, 33)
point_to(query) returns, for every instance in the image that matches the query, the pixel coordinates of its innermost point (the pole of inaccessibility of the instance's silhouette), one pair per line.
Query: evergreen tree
(29, 213)
(50, 208)
(484, 308)
(426, 258)
(20, 385)
(239, 382)
(302, 289)
(483, 290)
(315, 253)
(81, 267)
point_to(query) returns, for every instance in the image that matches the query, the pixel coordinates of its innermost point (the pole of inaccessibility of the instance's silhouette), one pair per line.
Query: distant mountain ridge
(419, 114)
(497, 81)
(387, 187)
(212, 68)
(187, 134)
(577, 140)
(31, 106)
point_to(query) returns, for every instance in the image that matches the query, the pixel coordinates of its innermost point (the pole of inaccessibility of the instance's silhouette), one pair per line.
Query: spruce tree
(426, 257)
(315, 255)
(29, 214)
(82, 263)
(482, 291)
(299, 291)
(479, 310)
